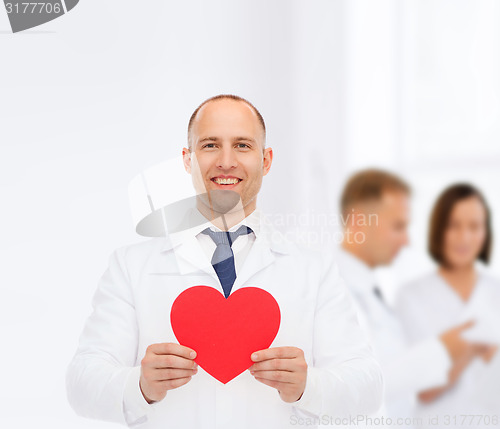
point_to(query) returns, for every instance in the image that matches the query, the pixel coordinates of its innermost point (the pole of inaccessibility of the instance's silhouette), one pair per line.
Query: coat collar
(358, 275)
(191, 259)
(260, 223)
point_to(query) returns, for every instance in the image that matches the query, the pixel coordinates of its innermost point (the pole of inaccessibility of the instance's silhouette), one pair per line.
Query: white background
(90, 100)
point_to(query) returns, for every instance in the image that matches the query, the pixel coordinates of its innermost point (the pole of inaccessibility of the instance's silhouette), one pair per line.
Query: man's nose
(227, 158)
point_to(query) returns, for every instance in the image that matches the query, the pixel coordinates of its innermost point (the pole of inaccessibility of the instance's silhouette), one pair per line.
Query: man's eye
(209, 145)
(243, 145)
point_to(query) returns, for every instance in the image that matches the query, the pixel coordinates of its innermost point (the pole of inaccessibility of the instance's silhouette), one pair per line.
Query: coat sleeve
(102, 380)
(421, 366)
(344, 379)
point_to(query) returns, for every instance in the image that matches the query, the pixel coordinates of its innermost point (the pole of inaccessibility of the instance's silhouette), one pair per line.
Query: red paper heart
(225, 332)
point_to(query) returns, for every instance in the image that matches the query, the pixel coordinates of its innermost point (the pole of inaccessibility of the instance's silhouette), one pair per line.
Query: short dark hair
(224, 97)
(370, 184)
(440, 217)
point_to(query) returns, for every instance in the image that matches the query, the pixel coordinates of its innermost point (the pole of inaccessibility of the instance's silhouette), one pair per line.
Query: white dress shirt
(429, 306)
(131, 310)
(241, 246)
(406, 368)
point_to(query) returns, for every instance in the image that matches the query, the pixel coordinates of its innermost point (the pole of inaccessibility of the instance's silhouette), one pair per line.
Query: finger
(276, 352)
(276, 384)
(276, 364)
(172, 361)
(482, 347)
(281, 376)
(466, 325)
(172, 349)
(175, 383)
(172, 374)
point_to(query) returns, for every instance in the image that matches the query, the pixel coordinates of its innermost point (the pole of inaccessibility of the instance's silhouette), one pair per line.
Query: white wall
(91, 99)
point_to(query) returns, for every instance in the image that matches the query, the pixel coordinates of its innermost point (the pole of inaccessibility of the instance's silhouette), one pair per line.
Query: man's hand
(283, 368)
(462, 353)
(458, 348)
(165, 366)
(488, 353)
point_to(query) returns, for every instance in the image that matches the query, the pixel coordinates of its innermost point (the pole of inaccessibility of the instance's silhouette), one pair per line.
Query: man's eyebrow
(236, 139)
(211, 139)
(249, 139)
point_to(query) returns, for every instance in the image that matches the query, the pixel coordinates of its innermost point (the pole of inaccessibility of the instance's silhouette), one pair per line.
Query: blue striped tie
(223, 257)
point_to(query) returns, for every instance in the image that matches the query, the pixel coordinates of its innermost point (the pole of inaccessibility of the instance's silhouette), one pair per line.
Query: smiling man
(129, 367)
(226, 139)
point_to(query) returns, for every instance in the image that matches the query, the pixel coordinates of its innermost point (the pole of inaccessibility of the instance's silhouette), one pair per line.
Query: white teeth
(222, 181)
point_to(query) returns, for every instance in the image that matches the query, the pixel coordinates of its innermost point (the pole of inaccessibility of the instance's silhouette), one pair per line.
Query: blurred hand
(488, 352)
(458, 348)
(165, 366)
(283, 368)
(461, 353)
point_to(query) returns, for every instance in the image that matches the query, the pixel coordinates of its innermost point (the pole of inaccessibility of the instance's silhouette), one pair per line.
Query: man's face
(227, 153)
(387, 233)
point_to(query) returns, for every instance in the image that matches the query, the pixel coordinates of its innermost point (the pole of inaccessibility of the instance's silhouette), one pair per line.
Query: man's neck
(356, 251)
(225, 221)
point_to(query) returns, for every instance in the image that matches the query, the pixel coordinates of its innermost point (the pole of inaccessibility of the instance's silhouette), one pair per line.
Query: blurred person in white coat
(460, 290)
(375, 208)
(129, 368)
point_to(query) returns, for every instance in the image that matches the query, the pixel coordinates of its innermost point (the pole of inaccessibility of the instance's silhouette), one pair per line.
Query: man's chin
(222, 201)
(387, 261)
(390, 260)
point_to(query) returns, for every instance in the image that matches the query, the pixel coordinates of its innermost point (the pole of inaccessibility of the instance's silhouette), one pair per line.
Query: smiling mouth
(226, 180)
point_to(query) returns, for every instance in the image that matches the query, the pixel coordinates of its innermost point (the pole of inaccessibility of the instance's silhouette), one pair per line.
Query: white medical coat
(131, 310)
(429, 306)
(408, 368)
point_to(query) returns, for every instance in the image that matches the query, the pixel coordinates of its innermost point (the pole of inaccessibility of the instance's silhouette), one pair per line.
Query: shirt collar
(261, 225)
(200, 222)
(357, 274)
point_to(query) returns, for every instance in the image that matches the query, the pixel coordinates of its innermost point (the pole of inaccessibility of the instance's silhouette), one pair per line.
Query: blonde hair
(370, 185)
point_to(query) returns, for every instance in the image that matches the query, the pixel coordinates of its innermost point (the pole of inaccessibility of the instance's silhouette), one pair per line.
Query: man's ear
(268, 160)
(186, 159)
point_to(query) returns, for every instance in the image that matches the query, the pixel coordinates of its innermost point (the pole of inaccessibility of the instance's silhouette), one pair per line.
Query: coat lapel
(191, 257)
(187, 256)
(266, 246)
